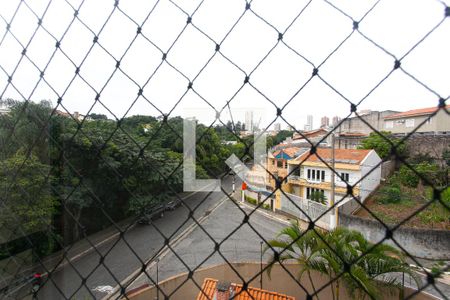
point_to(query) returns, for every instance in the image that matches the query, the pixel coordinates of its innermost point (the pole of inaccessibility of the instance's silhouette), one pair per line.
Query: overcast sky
(353, 70)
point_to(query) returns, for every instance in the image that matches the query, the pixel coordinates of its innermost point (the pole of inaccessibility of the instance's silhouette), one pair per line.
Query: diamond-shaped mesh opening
(95, 202)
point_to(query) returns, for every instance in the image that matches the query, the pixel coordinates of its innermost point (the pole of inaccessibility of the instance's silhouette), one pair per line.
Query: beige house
(407, 121)
(309, 173)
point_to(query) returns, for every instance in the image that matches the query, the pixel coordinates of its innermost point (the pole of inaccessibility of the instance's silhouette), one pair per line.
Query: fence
(306, 210)
(107, 143)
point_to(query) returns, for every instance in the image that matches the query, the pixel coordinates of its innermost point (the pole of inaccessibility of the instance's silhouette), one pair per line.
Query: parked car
(171, 205)
(152, 213)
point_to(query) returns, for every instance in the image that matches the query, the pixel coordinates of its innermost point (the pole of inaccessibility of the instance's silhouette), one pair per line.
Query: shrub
(390, 194)
(407, 177)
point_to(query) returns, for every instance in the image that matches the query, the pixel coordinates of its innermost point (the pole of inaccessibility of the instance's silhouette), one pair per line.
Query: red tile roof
(414, 112)
(291, 151)
(209, 289)
(349, 156)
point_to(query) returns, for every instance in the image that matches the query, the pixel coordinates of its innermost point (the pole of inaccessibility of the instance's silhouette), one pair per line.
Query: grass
(434, 216)
(255, 202)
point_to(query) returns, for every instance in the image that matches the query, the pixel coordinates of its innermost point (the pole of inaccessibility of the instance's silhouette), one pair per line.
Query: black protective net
(65, 175)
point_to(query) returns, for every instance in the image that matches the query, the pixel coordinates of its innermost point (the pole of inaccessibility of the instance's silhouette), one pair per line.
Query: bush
(255, 202)
(407, 177)
(390, 194)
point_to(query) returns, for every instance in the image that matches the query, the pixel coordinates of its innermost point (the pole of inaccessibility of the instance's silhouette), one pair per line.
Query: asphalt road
(193, 251)
(122, 256)
(239, 242)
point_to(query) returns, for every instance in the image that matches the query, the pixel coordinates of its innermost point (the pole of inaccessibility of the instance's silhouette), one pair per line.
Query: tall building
(324, 122)
(309, 123)
(277, 126)
(249, 121)
(335, 120)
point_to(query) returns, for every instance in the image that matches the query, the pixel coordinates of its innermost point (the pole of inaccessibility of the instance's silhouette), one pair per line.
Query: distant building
(407, 121)
(277, 126)
(324, 122)
(309, 123)
(352, 131)
(335, 121)
(356, 124)
(249, 121)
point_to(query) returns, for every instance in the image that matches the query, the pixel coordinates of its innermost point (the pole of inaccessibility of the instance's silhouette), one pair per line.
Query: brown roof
(415, 112)
(348, 156)
(209, 289)
(352, 134)
(309, 134)
(291, 151)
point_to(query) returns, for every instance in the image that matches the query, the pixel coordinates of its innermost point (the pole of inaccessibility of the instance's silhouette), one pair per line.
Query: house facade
(405, 122)
(309, 174)
(277, 164)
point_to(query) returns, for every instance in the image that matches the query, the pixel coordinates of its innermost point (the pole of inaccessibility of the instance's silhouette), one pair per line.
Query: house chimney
(76, 115)
(223, 290)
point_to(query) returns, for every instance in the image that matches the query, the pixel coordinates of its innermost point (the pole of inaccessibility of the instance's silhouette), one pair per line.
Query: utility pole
(334, 211)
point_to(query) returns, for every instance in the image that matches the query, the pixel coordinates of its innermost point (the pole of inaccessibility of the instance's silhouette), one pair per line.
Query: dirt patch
(434, 216)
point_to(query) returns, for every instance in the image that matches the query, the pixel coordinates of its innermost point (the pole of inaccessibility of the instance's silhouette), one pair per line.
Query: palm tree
(363, 268)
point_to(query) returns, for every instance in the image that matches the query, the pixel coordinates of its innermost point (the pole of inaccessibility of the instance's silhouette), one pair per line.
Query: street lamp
(260, 264)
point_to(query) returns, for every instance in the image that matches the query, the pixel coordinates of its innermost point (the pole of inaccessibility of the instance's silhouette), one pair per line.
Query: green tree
(27, 197)
(319, 197)
(329, 254)
(383, 148)
(94, 116)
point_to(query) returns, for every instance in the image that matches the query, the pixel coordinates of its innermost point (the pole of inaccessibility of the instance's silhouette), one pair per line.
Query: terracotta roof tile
(349, 156)
(414, 112)
(290, 151)
(209, 288)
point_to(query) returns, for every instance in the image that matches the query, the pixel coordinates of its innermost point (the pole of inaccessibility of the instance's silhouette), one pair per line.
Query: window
(429, 120)
(389, 124)
(344, 177)
(279, 163)
(316, 175)
(409, 123)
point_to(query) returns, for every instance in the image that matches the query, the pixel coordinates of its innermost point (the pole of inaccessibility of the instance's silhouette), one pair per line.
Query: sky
(278, 70)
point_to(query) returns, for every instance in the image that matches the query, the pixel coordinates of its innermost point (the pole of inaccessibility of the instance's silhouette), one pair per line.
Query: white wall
(354, 176)
(372, 180)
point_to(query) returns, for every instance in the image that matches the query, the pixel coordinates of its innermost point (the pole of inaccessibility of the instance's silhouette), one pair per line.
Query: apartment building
(405, 122)
(352, 131)
(309, 174)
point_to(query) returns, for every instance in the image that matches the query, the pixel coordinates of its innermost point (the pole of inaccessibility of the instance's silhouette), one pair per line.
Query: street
(222, 223)
(121, 255)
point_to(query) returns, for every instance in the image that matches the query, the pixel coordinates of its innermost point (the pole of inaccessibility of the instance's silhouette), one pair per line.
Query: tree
(95, 116)
(27, 197)
(364, 269)
(319, 197)
(281, 136)
(377, 142)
